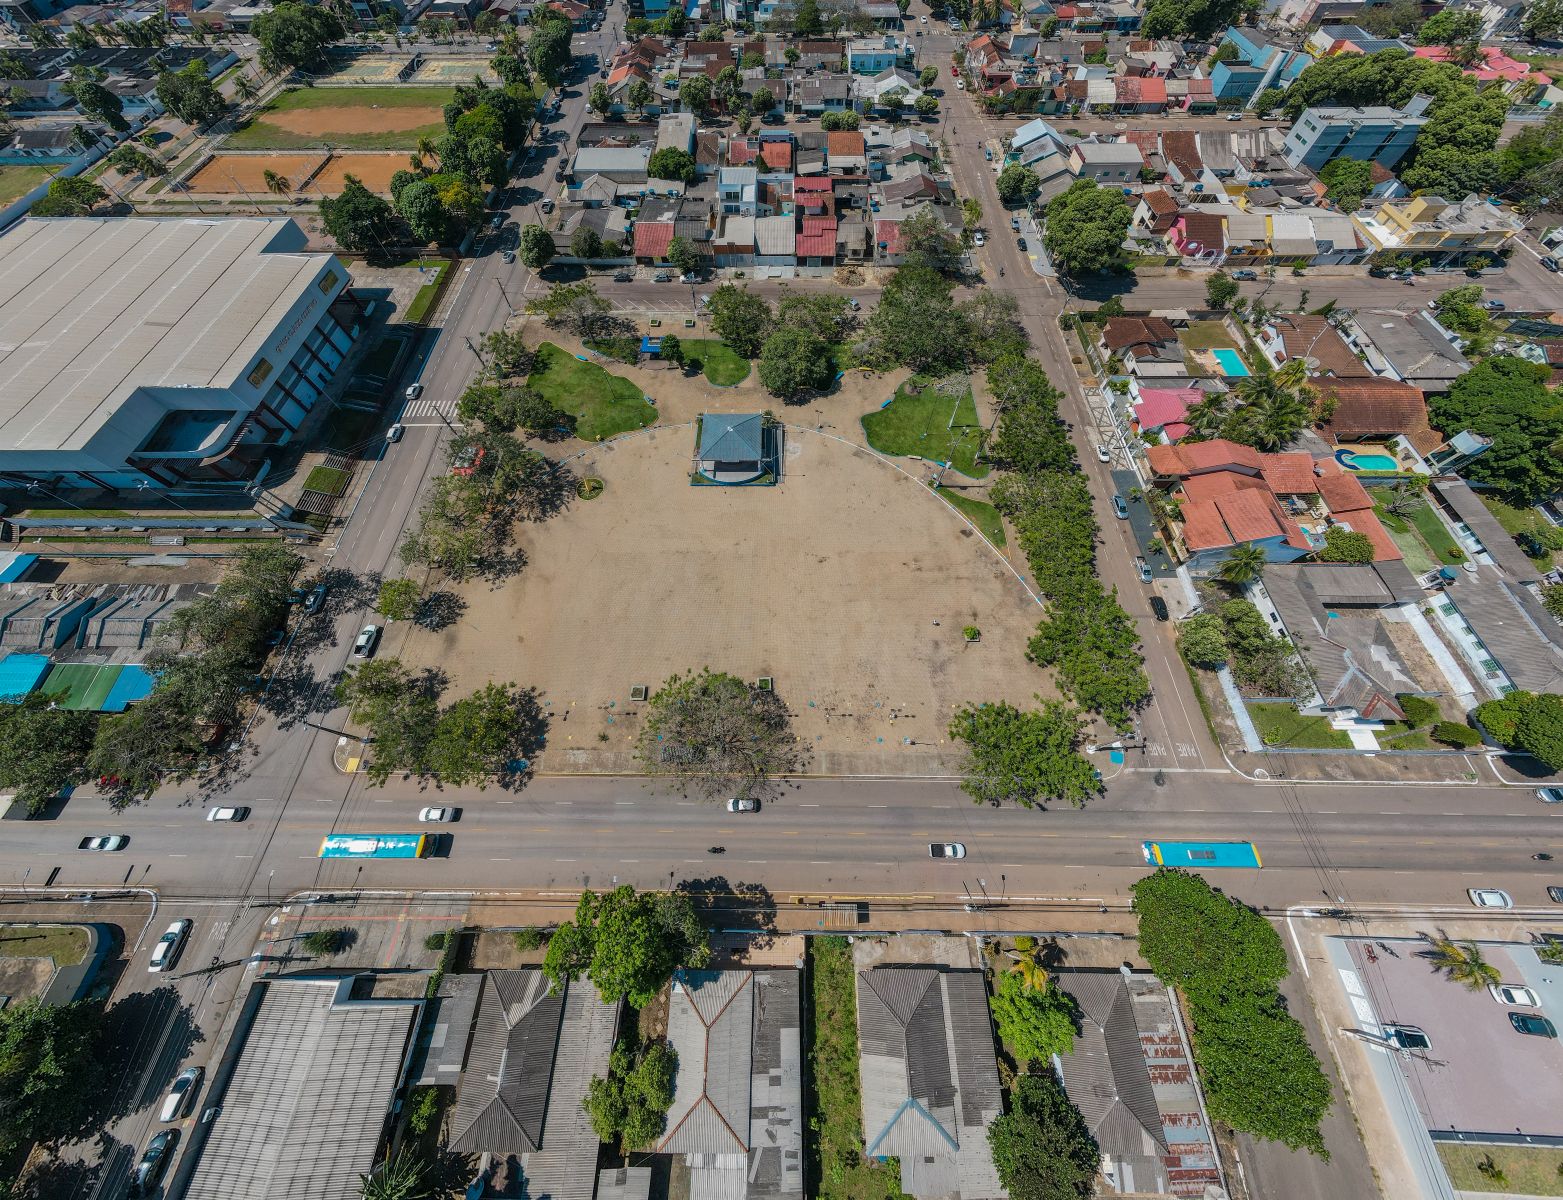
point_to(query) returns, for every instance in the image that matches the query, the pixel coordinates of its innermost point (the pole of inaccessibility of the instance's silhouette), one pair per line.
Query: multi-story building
(1441, 230)
(170, 351)
(1259, 64)
(1378, 134)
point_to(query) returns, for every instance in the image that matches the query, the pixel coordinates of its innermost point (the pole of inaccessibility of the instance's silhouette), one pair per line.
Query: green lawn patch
(1433, 532)
(427, 295)
(1281, 725)
(1397, 735)
(66, 945)
(17, 181)
(835, 1168)
(57, 513)
(1530, 1170)
(603, 403)
(330, 480)
(721, 364)
(921, 424)
(265, 130)
(1206, 335)
(1516, 521)
(979, 512)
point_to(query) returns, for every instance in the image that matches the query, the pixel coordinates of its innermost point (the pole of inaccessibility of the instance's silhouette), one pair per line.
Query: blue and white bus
(1197, 855)
(375, 845)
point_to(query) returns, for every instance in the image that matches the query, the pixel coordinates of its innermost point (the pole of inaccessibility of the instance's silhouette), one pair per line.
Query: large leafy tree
(358, 219)
(49, 1073)
(670, 162)
(1542, 19)
(741, 318)
(421, 207)
(537, 247)
(629, 1108)
(69, 196)
(1203, 640)
(627, 943)
(1025, 756)
(1450, 27)
(1195, 20)
(917, 323)
(1018, 184)
(1348, 181)
(1042, 1148)
(795, 362)
(549, 49)
(1202, 940)
(399, 710)
(1036, 1023)
(926, 241)
(43, 749)
(485, 736)
(1507, 399)
(717, 735)
(190, 95)
(1086, 227)
(85, 87)
(296, 36)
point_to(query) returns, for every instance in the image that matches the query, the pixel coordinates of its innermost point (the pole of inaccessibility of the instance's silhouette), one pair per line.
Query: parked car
(946, 850)
(1550, 263)
(624, 277)
(394, 433)
(109, 842)
(1103, 454)
(1020, 243)
(316, 600)
(1379, 273)
(1014, 223)
(1555, 894)
(853, 304)
(1533, 1025)
(414, 390)
(1144, 568)
(498, 221)
(1513, 993)
(1493, 305)
(236, 814)
(1159, 608)
(166, 952)
(144, 1179)
(547, 205)
(1489, 897)
(662, 277)
(960, 85)
(440, 816)
(1234, 116)
(1245, 276)
(1550, 795)
(1407, 1037)
(987, 153)
(368, 638)
(980, 238)
(743, 804)
(1120, 508)
(180, 1093)
(508, 256)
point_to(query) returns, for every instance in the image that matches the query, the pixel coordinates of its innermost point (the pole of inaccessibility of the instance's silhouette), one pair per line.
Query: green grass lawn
(259, 133)
(330, 480)
(17, 181)
(1531, 1170)
(722, 365)
(1206, 335)
(1282, 725)
(603, 403)
(979, 512)
(424, 300)
(1419, 559)
(1516, 521)
(1397, 735)
(920, 424)
(66, 946)
(1438, 538)
(835, 1168)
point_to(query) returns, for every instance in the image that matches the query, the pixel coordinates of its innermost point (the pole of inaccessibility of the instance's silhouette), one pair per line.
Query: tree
(1243, 565)
(600, 102)
(1506, 399)
(537, 247)
(1202, 941)
(1450, 27)
(129, 160)
(627, 943)
(1042, 1148)
(398, 1178)
(927, 77)
(1202, 639)
(670, 162)
(1018, 185)
(671, 350)
(1348, 181)
(1085, 228)
(925, 105)
(420, 206)
(398, 599)
(845, 121)
(1194, 20)
(1462, 963)
(190, 95)
(694, 93)
(1036, 1023)
(1540, 730)
(1027, 757)
(718, 736)
(549, 50)
(629, 1108)
(452, 532)
(43, 749)
(806, 20)
(681, 253)
(1542, 19)
(69, 196)
(917, 324)
(826, 316)
(296, 36)
(1220, 290)
(85, 87)
(576, 307)
(795, 362)
(483, 736)
(741, 318)
(358, 219)
(48, 1055)
(585, 243)
(639, 96)
(325, 942)
(1345, 546)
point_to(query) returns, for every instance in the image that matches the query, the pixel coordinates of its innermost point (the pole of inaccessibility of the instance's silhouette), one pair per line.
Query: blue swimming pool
(1231, 362)
(1366, 462)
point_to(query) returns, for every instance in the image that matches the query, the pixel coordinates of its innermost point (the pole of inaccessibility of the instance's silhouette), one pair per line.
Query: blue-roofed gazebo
(736, 448)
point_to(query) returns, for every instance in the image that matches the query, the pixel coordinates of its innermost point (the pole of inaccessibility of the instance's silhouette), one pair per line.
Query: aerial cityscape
(781, 599)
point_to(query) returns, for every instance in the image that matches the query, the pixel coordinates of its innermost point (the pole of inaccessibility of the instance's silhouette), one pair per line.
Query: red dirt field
(245, 174)
(323, 122)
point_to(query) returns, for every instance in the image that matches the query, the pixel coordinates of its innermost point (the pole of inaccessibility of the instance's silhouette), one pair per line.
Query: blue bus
(375, 845)
(1197, 855)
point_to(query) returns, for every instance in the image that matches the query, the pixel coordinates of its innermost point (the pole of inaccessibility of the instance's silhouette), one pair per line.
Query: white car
(1103, 454)
(414, 390)
(980, 238)
(110, 841)
(368, 638)
(1489, 898)
(946, 850)
(743, 804)
(1550, 795)
(960, 85)
(166, 952)
(177, 1102)
(228, 814)
(439, 815)
(1513, 993)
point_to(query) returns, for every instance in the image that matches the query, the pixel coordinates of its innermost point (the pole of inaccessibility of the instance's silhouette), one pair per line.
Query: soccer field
(358, 118)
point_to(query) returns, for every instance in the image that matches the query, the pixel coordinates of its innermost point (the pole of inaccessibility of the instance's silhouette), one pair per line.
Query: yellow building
(1438, 229)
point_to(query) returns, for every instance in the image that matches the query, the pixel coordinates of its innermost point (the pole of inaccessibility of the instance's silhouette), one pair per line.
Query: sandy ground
(848, 582)
(236, 174)
(312, 122)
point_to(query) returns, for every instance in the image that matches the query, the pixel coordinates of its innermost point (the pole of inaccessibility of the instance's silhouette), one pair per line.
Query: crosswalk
(422, 409)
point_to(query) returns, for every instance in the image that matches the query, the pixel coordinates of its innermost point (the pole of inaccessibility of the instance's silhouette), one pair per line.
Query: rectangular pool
(1231, 362)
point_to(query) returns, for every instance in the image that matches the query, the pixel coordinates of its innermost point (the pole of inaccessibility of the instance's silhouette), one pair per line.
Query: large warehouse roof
(93, 308)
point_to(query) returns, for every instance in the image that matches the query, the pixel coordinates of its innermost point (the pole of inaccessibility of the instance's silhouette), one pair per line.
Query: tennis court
(453, 71)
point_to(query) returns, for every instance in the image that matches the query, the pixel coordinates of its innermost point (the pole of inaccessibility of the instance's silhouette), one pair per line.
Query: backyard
(1283, 725)
(17, 181)
(358, 118)
(1422, 538)
(604, 404)
(926, 421)
(1516, 521)
(1526, 1170)
(721, 365)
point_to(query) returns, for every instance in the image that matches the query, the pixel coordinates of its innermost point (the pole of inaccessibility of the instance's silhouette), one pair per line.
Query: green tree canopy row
(627, 943)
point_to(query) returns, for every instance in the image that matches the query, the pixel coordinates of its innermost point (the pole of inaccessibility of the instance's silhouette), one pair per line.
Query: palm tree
(276, 184)
(1276, 419)
(399, 1178)
(426, 150)
(1462, 962)
(1205, 419)
(1028, 964)
(1243, 566)
(244, 88)
(1403, 500)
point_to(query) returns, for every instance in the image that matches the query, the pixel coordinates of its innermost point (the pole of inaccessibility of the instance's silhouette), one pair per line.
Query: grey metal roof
(504, 1089)
(303, 1113)
(1478, 518)
(442, 1042)
(624, 1183)
(710, 1025)
(732, 437)
(92, 309)
(1520, 636)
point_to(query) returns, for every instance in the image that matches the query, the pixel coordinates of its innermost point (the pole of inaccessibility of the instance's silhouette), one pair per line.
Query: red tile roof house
(652, 239)
(1305, 335)
(1198, 235)
(816, 246)
(1376, 409)
(1136, 339)
(1140, 94)
(1156, 211)
(1164, 411)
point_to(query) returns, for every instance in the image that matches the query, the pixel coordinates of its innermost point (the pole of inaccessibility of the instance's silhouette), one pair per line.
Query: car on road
(1234, 116)
(743, 804)
(689, 277)
(955, 26)
(662, 277)
(180, 1093)
(1020, 243)
(1489, 897)
(1407, 1037)
(1493, 305)
(1120, 509)
(946, 850)
(1550, 263)
(1550, 795)
(111, 841)
(394, 433)
(547, 204)
(1245, 276)
(235, 814)
(624, 277)
(368, 638)
(439, 816)
(980, 238)
(1014, 223)
(1144, 569)
(166, 952)
(498, 221)
(1103, 454)
(144, 1179)
(1533, 1025)
(316, 600)
(414, 390)
(1159, 608)
(1555, 894)
(508, 256)
(1513, 993)
(558, 174)
(960, 85)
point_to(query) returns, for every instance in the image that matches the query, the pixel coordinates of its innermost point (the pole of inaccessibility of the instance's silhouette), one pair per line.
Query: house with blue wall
(1260, 64)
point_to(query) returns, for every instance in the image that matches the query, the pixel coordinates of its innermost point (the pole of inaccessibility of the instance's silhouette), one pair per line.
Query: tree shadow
(502, 565)
(63, 1179)
(529, 738)
(145, 1037)
(439, 610)
(720, 901)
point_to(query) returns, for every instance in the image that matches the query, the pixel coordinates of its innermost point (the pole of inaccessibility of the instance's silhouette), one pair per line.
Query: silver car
(946, 850)
(368, 638)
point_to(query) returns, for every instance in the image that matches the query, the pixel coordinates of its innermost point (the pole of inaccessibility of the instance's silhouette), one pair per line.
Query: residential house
(1313, 339)
(733, 245)
(1199, 235)
(1372, 409)
(1163, 412)
(874, 56)
(1441, 230)
(816, 95)
(1180, 150)
(1136, 94)
(1260, 64)
(1496, 69)
(1112, 163)
(930, 1079)
(1410, 347)
(1156, 211)
(1378, 134)
(816, 241)
(846, 152)
(738, 190)
(609, 222)
(652, 239)
(1328, 40)
(870, 91)
(776, 241)
(622, 164)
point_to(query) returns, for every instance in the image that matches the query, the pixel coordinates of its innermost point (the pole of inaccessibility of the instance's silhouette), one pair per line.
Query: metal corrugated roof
(504, 1088)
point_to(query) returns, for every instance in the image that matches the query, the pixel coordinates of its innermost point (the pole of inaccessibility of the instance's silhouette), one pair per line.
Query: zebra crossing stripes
(428, 408)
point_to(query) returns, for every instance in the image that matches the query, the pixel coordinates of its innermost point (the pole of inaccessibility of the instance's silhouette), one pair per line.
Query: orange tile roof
(1366, 523)
(777, 154)
(1289, 474)
(1219, 483)
(1342, 493)
(1192, 457)
(845, 142)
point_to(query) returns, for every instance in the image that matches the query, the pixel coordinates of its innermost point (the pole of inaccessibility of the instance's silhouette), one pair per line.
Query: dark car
(1533, 1025)
(144, 1179)
(1379, 273)
(1555, 894)
(1550, 263)
(316, 600)
(1245, 276)
(1159, 608)
(1020, 242)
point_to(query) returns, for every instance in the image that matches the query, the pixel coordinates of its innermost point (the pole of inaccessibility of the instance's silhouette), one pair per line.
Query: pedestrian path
(417, 409)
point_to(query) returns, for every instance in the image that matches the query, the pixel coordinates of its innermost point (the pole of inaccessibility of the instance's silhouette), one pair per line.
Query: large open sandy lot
(848, 582)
